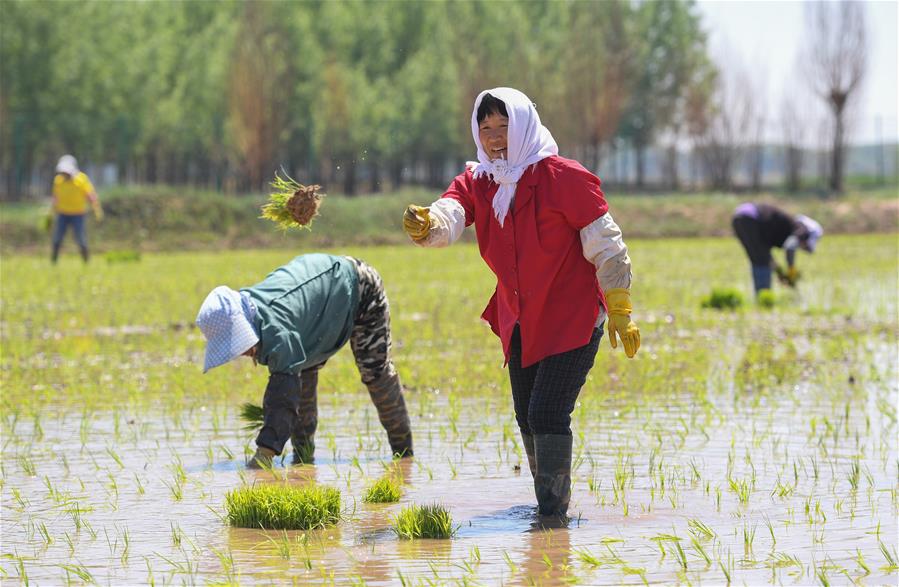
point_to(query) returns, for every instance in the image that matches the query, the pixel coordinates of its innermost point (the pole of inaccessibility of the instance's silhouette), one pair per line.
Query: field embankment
(166, 218)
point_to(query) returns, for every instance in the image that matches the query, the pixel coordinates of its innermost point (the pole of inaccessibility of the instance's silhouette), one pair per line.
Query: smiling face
(493, 133)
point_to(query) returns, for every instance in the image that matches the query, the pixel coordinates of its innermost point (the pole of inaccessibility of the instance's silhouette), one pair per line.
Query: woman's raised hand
(417, 222)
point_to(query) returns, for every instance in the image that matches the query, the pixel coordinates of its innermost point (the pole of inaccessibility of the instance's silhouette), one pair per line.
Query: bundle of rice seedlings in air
(292, 204)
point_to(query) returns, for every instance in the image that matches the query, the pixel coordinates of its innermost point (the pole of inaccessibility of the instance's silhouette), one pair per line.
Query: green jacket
(305, 311)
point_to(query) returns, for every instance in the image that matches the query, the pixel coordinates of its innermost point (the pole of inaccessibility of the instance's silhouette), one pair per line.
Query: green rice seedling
(771, 531)
(854, 473)
(123, 256)
(426, 521)
(860, 561)
(28, 465)
(587, 557)
(766, 299)
(177, 534)
(385, 490)
(513, 568)
(292, 204)
(701, 551)
(283, 507)
(723, 299)
(79, 571)
(680, 555)
(700, 529)
(748, 538)
(282, 545)
(742, 487)
(891, 557)
(226, 559)
(45, 534)
(126, 546)
(779, 560)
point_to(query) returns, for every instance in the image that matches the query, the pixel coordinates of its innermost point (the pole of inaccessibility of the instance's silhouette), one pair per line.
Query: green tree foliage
(222, 94)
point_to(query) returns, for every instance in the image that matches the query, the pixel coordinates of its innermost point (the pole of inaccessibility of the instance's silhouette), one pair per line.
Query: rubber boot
(303, 436)
(528, 441)
(263, 458)
(54, 255)
(85, 254)
(387, 394)
(552, 483)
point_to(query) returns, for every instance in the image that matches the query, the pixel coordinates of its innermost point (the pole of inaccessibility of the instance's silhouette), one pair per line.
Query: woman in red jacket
(561, 265)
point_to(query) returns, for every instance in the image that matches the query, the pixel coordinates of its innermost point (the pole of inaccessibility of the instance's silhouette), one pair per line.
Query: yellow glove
(792, 275)
(98, 211)
(417, 222)
(618, 301)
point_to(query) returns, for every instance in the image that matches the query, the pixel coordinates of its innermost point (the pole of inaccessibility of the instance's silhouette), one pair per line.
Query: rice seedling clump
(283, 507)
(292, 204)
(723, 299)
(766, 299)
(426, 521)
(384, 490)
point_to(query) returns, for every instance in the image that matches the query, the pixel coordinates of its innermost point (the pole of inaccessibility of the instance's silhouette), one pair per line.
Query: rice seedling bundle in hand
(292, 204)
(252, 415)
(426, 521)
(283, 507)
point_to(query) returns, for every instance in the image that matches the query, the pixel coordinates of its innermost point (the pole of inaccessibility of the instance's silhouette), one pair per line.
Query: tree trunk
(640, 155)
(376, 177)
(794, 168)
(836, 170)
(396, 174)
(349, 178)
(673, 176)
(756, 171)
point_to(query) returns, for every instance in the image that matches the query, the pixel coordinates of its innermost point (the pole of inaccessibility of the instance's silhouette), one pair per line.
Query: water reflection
(547, 557)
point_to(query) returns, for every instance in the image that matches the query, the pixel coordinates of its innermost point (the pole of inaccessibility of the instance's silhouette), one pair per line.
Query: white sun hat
(815, 232)
(226, 327)
(67, 164)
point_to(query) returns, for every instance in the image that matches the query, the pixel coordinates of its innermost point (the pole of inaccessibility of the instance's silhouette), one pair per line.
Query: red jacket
(544, 283)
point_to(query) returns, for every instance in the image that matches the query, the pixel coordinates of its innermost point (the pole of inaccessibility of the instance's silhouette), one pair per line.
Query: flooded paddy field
(749, 447)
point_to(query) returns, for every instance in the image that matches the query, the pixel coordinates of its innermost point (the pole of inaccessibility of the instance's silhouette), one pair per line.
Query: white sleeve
(604, 247)
(447, 223)
(792, 243)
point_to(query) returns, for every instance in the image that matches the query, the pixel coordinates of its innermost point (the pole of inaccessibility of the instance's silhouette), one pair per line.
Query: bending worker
(293, 322)
(763, 226)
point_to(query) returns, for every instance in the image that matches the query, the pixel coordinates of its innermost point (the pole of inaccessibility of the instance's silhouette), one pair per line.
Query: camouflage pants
(370, 342)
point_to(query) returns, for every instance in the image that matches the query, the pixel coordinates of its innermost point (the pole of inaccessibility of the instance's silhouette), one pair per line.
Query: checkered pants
(370, 342)
(545, 393)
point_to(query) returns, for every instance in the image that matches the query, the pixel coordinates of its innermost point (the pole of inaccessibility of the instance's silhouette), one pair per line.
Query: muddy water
(132, 498)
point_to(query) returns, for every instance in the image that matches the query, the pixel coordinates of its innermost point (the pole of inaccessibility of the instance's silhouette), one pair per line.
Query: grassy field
(166, 218)
(749, 446)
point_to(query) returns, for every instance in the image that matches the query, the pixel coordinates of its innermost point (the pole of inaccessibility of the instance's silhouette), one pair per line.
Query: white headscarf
(529, 142)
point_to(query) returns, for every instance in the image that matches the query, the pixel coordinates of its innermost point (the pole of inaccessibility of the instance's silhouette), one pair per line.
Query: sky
(766, 36)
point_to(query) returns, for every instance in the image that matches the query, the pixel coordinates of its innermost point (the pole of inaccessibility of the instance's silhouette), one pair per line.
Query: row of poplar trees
(224, 93)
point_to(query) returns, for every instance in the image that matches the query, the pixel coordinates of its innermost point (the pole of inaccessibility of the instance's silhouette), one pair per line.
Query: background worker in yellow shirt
(72, 192)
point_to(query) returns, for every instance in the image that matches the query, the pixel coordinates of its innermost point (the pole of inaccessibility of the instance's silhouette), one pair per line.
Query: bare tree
(836, 57)
(722, 131)
(755, 151)
(793, 125)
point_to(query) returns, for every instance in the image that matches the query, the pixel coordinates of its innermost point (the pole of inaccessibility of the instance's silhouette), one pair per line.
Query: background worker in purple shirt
(760, 227)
